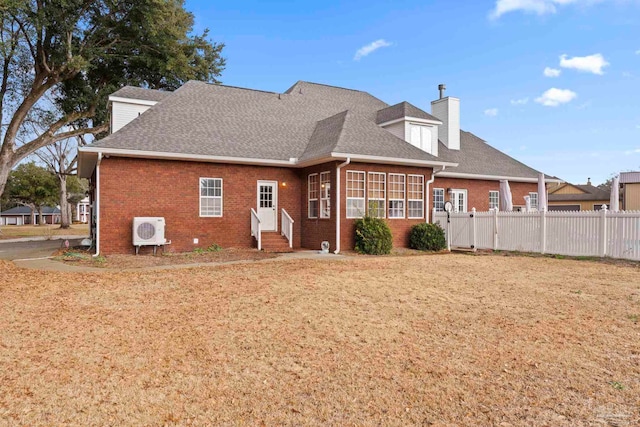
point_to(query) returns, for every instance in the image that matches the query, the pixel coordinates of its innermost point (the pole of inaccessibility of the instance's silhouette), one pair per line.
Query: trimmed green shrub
(427, 237)
(373, 236)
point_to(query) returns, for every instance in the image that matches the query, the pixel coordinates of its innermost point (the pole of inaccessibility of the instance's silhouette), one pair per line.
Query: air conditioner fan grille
(146, 230)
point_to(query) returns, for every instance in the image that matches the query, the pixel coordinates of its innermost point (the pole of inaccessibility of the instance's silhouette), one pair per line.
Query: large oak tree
(59, 61)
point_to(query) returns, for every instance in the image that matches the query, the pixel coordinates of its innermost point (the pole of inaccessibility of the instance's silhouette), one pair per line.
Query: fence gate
(459, 228)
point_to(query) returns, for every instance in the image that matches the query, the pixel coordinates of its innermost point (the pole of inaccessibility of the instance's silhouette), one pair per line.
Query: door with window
(268, 205)
(459, 200)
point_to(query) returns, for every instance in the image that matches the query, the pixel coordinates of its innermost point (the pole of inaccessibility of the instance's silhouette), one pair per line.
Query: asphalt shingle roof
(306, 122)
(479, 158)
(402, 109)
(25, 210)
(133, 92)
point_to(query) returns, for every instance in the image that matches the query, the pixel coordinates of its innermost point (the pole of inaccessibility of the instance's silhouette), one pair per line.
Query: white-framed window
(420, 136)
(494, 200)
(325, 194)
(397, 188)
(438, 199)
(355, 194)
(377, 194)
(211, 197)
(415, 196)
(533, 200)
(312, 190)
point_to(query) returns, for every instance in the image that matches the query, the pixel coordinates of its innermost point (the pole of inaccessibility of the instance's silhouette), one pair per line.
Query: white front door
(268, 205)
(459, 200)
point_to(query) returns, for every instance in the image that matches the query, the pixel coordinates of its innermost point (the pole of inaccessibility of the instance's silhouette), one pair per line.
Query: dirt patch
(433, 340)
(79, 256)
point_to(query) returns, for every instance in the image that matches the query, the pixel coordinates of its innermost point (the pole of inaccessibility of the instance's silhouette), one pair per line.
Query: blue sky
(580, 118)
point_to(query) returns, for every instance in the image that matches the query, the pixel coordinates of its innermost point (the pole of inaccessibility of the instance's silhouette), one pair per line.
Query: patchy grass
(17, 231)
(212, 254)
(423, 340)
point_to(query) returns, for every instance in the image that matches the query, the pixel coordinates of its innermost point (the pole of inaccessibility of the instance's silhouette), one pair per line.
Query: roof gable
(567, 188)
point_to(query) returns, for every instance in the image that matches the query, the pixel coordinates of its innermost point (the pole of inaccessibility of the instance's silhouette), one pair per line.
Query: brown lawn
(422, 340)
(17, 231)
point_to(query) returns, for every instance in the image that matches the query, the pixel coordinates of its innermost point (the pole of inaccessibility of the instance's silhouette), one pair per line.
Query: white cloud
(636, 151)
(588, 64)
(370, 48)
(491, 112)
(521, 101)
(551, 72)
(638, 52)
(554, 97)
(627, 74)
(539, 7)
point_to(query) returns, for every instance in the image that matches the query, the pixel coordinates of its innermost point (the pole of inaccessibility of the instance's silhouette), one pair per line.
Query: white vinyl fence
(585, 233)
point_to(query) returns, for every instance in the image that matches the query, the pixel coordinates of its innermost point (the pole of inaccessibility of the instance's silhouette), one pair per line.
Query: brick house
(209, 157)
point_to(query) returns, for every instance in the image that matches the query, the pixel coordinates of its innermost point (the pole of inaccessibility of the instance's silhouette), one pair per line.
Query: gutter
(428, 195)
(338, 213)
(97, 205)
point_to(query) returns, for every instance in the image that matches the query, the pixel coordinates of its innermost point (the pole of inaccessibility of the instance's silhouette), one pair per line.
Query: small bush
(214, 247)
(427, 237)
(373, 236)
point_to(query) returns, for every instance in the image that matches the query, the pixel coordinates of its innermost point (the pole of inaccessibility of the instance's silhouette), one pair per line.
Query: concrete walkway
(48, 264)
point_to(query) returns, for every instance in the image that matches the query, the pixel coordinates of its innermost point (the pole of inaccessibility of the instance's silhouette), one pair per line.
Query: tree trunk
(40, 216)
(65, 220)
(6, 163)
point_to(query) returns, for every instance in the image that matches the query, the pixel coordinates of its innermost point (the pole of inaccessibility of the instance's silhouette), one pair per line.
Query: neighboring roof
(589, 193)
(476, 157)
(629, 177)
(403, 109)
(133, 92)
(25, 210)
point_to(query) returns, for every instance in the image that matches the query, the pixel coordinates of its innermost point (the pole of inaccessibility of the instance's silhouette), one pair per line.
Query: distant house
(577, 197)
(215, 160)
(630, 190)
(23, 215)
(83, 210)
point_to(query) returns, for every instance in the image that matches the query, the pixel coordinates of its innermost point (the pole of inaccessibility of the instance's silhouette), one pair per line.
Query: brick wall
(140, 187)
(399, 227)
(478, 191)
(135, 187)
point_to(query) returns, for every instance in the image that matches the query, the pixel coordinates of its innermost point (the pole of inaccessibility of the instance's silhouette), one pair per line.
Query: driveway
(32, 249)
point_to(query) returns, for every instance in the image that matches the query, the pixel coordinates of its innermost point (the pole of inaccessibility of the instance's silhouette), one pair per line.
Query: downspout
(97, 205)
(429, 182)
(338, 212)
